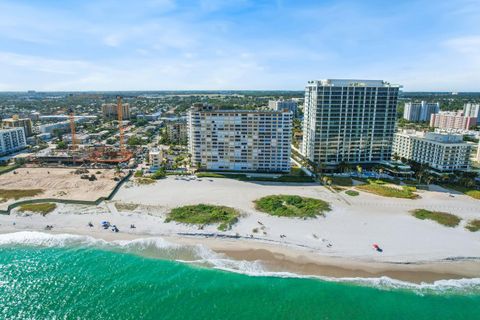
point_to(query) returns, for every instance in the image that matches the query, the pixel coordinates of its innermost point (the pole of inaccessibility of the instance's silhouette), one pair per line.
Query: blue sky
(237, 44)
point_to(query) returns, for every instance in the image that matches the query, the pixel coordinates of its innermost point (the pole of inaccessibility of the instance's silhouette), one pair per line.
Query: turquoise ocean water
(72, 277)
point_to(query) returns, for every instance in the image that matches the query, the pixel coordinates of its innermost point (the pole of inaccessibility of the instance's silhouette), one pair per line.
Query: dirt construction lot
(58, 183)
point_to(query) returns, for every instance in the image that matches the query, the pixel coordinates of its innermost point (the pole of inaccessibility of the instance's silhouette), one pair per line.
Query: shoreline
(281, 258)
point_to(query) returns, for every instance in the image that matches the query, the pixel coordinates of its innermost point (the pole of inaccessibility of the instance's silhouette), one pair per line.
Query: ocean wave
(200, 255)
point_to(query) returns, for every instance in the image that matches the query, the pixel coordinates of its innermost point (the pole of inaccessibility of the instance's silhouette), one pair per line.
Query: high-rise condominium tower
(420, 111)
(350, 121)
(239, 140)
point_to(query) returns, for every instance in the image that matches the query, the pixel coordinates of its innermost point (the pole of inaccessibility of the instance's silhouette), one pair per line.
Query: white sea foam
(202, 255)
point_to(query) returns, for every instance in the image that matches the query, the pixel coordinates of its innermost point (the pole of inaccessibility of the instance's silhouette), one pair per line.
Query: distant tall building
(109, 111)
(350, 121)
(16, 122)
(420, 111)
(239, 140)
(12, 140)
(281, 105)
(452, 120)
(472, 110)
(443, 152)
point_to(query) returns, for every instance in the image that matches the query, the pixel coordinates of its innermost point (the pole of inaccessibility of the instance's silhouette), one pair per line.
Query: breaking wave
(157, 247)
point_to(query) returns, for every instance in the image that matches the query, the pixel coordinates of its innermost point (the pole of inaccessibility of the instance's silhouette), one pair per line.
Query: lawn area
(473, 225)
(352, 193)
(42, 208)
(243, 177)
(4, 169)
(292, 206)
(7, 194)
(404, 192)
(341, 181)
(469, 192)
(202, 214)
(443, 218)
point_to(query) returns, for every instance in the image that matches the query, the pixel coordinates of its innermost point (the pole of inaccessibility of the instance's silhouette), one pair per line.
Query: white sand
(354, 224)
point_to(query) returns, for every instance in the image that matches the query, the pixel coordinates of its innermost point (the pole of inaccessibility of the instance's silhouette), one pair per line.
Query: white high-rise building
(472, 110)
(281, 105)
(12, 140)
(239, 140)
(443, 152)
(350, 121)
(420, 111)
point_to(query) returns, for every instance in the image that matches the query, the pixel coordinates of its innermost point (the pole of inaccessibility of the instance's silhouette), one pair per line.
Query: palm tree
(359, 169)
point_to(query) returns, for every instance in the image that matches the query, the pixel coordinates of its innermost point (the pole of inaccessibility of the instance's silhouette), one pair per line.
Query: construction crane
(120, 123)
(72, 129)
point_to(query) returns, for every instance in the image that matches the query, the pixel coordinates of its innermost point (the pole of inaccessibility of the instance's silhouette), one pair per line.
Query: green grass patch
(7, 194)
(352, 193)
(292, 206)
(243, 177)
(473, 225)
(468, 191)
(144, 181)
(42, 208)
(446, 219)
(404, 192)
(341, 181)
(5, 169)
(202, 214)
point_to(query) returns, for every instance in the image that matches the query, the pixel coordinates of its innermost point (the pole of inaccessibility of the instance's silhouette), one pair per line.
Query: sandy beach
(338, 245)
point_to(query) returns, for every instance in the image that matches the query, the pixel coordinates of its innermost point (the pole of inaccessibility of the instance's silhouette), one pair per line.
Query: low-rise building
(80, 138)
(12, 140)
(452, 120)
(239, 140)
(156, 157)
(16, 122)
(442, 152)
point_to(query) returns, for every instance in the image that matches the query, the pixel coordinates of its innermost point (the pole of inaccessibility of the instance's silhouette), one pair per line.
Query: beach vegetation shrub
(42, 208)
(446, 219)
(352, 193)
(473, 225)
(292, 206)
(202, 214)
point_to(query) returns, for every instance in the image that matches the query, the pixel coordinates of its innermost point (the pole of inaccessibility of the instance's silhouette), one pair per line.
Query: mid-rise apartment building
(177, 131)
(110, 111)
(281, 105)
(239, 140)
(12, 140)
(155, 157)
(420, 111)
(442, 152)
(16, 122)
(350, 121)
(452, 120)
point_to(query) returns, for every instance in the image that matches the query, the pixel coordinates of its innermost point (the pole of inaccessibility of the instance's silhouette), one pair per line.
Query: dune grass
(468, 191)
(473, 225)
(446, 219)
(42, 208)
(7, 194)
(292, 206)
(405, 192)
(203, 214)
(352, 193)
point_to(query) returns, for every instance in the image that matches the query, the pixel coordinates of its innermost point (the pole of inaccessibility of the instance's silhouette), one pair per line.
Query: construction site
(97, 155)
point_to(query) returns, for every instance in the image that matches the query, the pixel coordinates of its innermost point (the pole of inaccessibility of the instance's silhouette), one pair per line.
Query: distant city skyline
(422, 45)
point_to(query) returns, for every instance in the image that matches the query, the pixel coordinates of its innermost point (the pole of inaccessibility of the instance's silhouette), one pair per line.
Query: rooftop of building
(213, 109)
(441, 137)
(352, 83)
